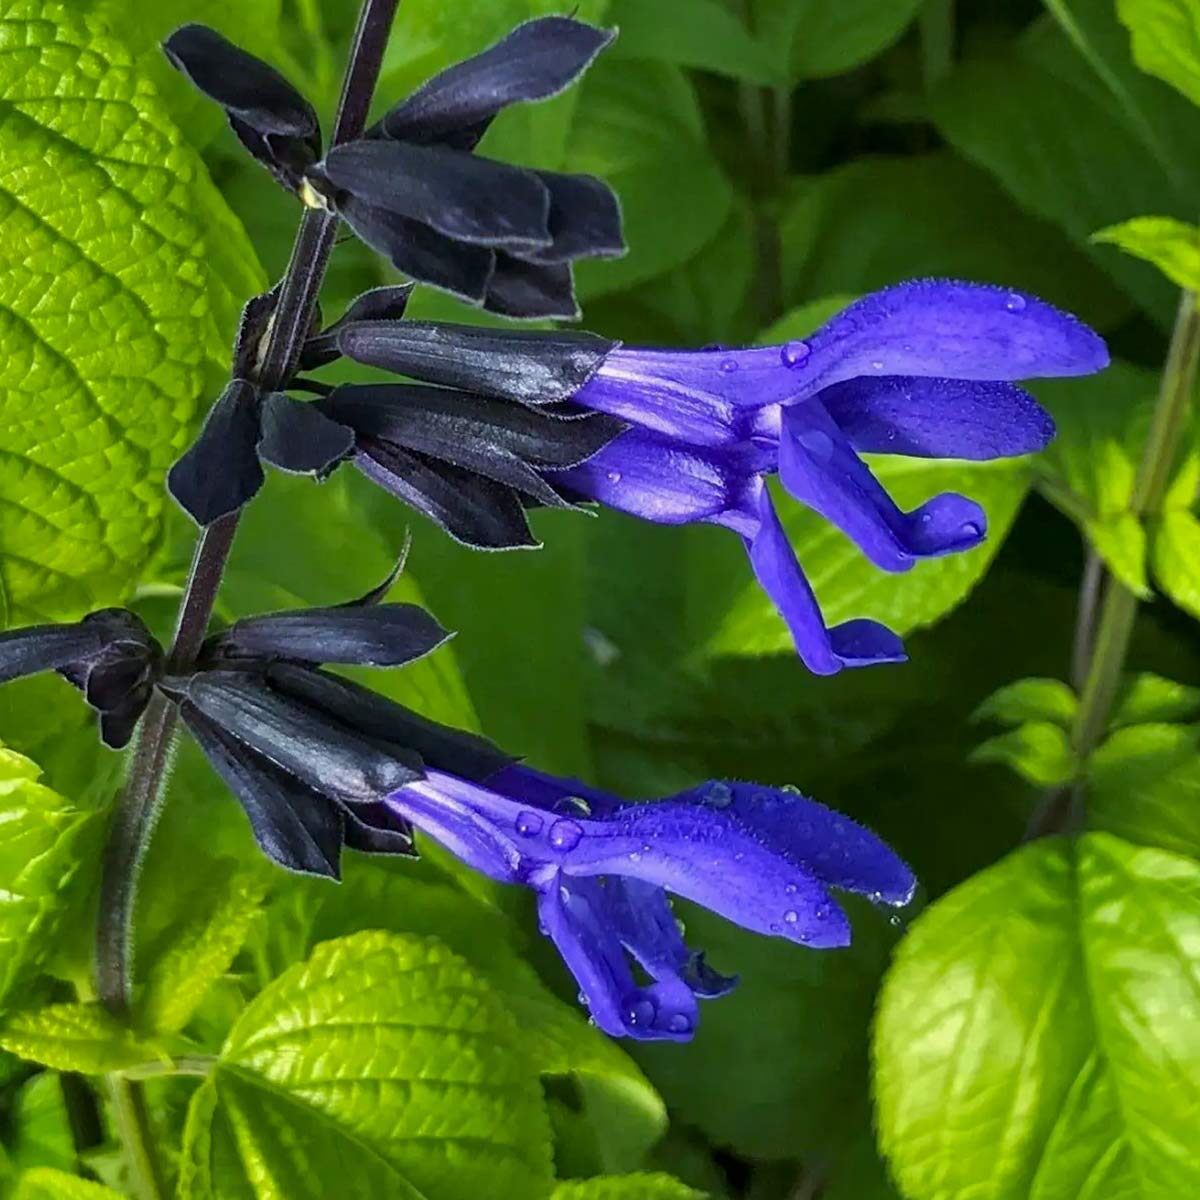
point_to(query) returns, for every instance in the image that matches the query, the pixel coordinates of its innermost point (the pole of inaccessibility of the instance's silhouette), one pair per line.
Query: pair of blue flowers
(484, 425)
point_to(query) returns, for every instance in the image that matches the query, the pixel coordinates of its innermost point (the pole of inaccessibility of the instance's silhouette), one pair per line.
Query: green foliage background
(407, 1034)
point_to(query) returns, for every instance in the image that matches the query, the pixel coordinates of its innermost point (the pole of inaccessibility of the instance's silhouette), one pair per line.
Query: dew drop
(775, 928)
(641, 1012)
(582, 998)
(1014, 303)
(971, 530)
(791, 916)
(718, 795)
(679, 1023)
(729, 365)
(634, 856)
(614, 476)
(895, 921)
(877, 365)
(573, 804)
(791, 889)
(529, 824)
(822, 913)
(565, 835)
(792, 354)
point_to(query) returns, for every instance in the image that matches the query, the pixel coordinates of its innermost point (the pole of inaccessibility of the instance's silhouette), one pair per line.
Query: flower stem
(1106, 650)
(133, 1126)
(137, 809)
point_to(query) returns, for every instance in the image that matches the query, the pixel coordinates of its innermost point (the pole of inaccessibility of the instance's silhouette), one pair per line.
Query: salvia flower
(471, 464)
(110, 656)
(764, 858)
(923, 369)
(494, 234)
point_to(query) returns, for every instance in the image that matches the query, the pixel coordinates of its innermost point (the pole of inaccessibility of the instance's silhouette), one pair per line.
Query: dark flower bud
(110, 656)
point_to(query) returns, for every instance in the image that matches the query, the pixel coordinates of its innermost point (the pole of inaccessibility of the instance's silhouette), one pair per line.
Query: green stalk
(133, 1128)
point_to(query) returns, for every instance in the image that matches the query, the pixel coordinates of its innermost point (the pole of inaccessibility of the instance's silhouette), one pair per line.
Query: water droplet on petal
(792, 354)
(877, 365)
(582, 998)
(718, 795)
(529, 824)
(565, 835)
(679, 1023)
(822, 913)
(1015, 303)
(791, 916)
(614, 476)
(573, 804)
(971, 530)
(634, 856)
(775, 928)
(641, 1012)
(729, 365)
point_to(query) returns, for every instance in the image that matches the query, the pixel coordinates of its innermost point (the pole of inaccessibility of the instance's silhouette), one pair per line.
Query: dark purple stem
(137, 809)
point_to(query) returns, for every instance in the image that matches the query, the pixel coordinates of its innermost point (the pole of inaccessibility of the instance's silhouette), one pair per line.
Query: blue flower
(762, 857)
(923, 369)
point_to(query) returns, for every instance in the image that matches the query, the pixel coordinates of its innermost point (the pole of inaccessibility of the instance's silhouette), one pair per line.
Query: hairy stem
(137, 809)
(1103, 653)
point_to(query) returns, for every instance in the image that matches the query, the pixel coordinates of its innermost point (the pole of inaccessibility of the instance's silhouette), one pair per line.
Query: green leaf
(1175, 558)
(379, 1063)
(689, 33)
(76, 1037)
(1166, 40)
(846, 583)
(45, 1183)
(40, 1130)
(1144, 786)
(47, 849)
(1151, 698)
(813, 38)
(1030, 700)
(875, 220)
(1056, 138)
(212, 918)
(119, 309)
(639, 127)
(1038, 751)
(1088, 471)
(626, 1187)
(1170, 245)
(1038, 1030)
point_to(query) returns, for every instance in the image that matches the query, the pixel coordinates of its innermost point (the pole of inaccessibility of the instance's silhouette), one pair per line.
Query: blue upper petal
(938, 418)
(820, 468)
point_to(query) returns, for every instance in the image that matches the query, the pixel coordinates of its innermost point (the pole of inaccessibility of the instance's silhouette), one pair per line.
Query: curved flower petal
(819, 468)
(464, 197)
(575, 915)
(584, 221)
(840, 852)
(537, 60)
(659, 480)
(949, 329)
(856, 643)
(45, 648)
(938, 418)
(297, 437)
(528, 290)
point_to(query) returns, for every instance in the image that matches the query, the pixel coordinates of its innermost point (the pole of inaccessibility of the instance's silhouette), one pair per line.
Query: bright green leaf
(1038, 751)
(76, 1037)
(379, 1063)
(1170, 245)
(39, 1127)
(45, 1183)
(1175, 558)
(1144, 786)
(640, 128)
(1038, 1032)
(213, 914)
(118, 308)
(1151, 698)
(1166, 40)
(1030, 700)
(626, 1187)
(47, 847)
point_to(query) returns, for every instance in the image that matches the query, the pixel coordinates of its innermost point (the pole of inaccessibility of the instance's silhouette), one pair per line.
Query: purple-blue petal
(951, 330)
(857, 643)
(838, 851)
(660, 480)
(819, 467)
(550, 792)
(938, 418)
(574, 913)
